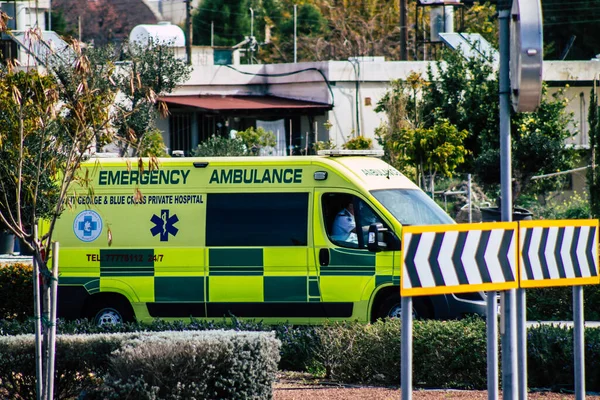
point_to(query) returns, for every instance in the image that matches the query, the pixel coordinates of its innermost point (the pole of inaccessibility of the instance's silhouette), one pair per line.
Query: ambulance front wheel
(391, 307)
(110, 310)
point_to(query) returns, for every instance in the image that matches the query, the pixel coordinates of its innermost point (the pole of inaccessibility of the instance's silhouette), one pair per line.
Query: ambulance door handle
(324, 257)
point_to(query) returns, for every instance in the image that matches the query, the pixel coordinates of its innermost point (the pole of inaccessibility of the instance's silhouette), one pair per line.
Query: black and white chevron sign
(459, 258)
(556, 253)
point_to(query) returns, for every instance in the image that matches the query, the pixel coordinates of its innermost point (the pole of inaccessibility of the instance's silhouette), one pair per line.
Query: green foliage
(452, 353)
(358, 143)
(256, 139)
(574, 207)
(481, 18)
(156, 71)
(550, 357)
(219, 146)
(217, 364)
(16, 291)
(438, 149)
(153, 145)
(324, 145)
(25, 190)
(465, 91)
(556, 303)
(446, 354)
(231, 21)
(593, 174)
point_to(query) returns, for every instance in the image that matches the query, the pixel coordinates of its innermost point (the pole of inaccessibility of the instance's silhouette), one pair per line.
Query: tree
(49, 123)
(219, 146)
(593, 173)
(230, 19)
(151, 70)
(255, 139)
(465, 93)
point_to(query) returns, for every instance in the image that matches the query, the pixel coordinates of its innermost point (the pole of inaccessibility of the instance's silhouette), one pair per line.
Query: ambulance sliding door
(258, 254)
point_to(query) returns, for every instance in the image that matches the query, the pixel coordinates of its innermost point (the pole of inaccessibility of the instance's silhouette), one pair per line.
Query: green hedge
(556, 303)
(147, 365)
(446, 354)
(545, 304)
(450, 354)
(16, 291)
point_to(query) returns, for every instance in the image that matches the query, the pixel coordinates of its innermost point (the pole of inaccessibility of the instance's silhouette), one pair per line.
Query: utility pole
(188, 31)
(403, 31)
(251, 36)
(295, 34)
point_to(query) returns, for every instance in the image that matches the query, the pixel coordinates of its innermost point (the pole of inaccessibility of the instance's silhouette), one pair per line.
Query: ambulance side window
(256, 219)
(347, 219)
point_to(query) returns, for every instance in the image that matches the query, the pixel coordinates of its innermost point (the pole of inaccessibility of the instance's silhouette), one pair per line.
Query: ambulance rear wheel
(110, 311)
(392, 308)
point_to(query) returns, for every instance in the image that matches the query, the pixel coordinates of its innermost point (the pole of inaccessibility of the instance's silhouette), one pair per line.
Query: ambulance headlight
(320, 175)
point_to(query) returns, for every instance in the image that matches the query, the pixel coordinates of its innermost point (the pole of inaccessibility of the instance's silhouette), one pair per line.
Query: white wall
(374, 79)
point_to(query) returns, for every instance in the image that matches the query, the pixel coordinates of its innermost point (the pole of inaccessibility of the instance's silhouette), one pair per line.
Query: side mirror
(381, 238)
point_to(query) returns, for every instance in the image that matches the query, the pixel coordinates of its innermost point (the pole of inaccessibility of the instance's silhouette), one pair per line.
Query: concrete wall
(373, 81)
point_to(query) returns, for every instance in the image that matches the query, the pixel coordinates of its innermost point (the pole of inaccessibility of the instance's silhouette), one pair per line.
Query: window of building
(181, 132)
(257, 219)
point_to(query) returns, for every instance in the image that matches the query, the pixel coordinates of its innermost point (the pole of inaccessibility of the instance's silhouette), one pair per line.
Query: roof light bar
(338, 153)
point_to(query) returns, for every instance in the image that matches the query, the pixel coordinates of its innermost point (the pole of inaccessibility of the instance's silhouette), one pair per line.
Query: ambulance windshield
(412, 207)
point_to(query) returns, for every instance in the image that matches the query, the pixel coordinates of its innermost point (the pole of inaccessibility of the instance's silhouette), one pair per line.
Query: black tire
(110, 312)
(391, 307)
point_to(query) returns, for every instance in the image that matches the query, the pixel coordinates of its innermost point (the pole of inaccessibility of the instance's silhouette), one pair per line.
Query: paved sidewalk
(15, 258)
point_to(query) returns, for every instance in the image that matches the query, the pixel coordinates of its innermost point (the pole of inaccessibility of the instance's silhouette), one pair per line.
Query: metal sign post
(406, 356)
(561, 253)
(461, 258)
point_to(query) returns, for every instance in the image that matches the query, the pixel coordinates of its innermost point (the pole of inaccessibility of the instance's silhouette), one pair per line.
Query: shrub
(556, 303)
(16, 291)
(358, 143)
(256, 139)
(218, 146)
(450, 353)
(178, 365)
(550, 362)
(446, 353)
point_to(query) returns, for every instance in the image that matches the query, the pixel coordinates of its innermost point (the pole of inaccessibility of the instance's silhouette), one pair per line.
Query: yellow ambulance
(276, 239)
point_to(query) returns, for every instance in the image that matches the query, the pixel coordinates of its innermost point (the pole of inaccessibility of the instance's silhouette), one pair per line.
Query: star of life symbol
(164, 225)
(87, 226)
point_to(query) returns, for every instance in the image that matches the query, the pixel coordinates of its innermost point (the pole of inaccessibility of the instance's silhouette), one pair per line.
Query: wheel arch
(108, 299)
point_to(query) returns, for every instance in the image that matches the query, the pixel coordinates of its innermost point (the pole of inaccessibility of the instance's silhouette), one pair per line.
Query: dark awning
(226, 104)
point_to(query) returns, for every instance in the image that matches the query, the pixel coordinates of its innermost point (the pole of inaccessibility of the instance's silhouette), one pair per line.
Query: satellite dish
(526, 55)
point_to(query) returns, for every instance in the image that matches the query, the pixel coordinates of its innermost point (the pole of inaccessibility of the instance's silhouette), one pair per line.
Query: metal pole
(403, 31)
(212, 33)
(188, 31)
(52, 335)
(509, 346)
(316, 137)
(470, 204)
(295, 34)
(37, 311)
(251, 22)
(522, 342)
(492, 345)
(406, 355)
(509, 335)
(578, 340)
(50, 15)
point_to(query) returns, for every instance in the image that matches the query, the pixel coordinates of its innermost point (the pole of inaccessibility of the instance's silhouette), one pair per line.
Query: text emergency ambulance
(251, 237)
